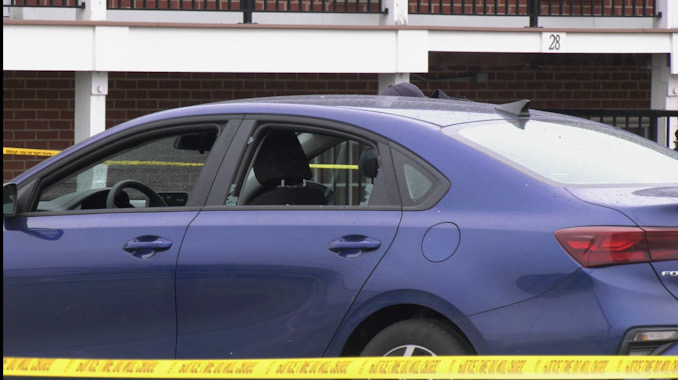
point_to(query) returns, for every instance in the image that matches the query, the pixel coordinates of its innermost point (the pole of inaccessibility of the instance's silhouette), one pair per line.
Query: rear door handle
(351, 246)
(145, 247)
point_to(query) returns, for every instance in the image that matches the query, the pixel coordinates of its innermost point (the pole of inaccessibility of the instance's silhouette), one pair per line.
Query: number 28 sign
(553, 42)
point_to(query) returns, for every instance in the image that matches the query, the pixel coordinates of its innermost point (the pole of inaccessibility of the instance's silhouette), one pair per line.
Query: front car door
(273, 265)
(86, 274)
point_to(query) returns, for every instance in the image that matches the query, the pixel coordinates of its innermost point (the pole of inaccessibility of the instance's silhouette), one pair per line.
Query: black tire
(417, 337)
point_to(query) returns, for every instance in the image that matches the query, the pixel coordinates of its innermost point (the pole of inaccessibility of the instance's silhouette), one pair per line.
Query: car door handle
(145, 247)
(351, 246)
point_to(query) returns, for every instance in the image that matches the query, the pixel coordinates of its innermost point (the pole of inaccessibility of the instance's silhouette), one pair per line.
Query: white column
(665, 72)
(95, 10)
(396, 15)
(396, 12)
(91, 89)
(664, 97)
(669, 11)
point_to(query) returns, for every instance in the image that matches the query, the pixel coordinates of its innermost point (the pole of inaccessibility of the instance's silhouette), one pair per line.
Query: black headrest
(368, 164)
(281, 157)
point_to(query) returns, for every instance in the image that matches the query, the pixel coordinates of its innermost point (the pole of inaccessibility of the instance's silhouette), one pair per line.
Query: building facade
(73, 69)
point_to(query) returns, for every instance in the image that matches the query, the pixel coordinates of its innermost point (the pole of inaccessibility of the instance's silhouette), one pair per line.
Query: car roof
(432, 111)
(440, 112)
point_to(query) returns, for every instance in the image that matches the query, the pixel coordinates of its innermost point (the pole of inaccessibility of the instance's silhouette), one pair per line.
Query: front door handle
(145, 247)
(351, 246)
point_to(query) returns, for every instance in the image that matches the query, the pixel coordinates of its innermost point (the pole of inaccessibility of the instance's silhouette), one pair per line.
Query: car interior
(281, 167)
(287, 166)
(302, 168)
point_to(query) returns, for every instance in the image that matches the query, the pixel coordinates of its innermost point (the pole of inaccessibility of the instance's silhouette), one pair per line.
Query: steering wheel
(154, 200)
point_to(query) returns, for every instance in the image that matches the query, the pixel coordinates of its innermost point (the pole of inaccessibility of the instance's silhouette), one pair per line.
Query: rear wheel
(417, 337)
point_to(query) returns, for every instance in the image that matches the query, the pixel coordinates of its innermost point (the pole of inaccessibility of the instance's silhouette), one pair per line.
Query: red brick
(62, 124)
(47, 135)
(47, 114)
(24, 114)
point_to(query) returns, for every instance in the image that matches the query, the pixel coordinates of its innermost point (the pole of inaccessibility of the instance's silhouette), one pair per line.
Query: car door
(275, 277)
(84, 278)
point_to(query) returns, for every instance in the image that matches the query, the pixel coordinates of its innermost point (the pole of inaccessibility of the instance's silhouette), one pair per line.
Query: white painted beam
(47, 48)
(111, 46)
(538, 41)
(116, 47)
(271, 50)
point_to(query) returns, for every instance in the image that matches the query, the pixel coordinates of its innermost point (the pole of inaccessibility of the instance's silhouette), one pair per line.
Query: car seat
(282, 168)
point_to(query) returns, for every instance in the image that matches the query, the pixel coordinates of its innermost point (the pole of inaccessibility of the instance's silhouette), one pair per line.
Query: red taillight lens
(663, 243)
(598, 246)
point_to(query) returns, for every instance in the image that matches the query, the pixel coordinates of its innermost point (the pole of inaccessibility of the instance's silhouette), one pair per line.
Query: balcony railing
(312, 6)
(529, 8)
(578, 8)
(43, 4)
(651, 124)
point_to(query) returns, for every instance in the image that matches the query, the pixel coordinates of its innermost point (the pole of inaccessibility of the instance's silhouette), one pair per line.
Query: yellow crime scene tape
(49, 153)
(29, 152)
(423, 367)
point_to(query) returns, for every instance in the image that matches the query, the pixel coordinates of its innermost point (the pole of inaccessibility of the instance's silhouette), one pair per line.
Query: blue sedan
(343, 226)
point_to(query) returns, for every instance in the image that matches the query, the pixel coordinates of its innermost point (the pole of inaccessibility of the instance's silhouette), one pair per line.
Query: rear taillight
(598, 246)
(663, 243)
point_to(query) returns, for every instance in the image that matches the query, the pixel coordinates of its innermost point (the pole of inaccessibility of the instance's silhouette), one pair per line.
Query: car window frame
(226, 127)
(253, 124)
(441, 186)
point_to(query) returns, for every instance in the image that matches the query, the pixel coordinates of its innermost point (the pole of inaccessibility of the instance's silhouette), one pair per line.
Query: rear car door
(86, 275)
(273, 263)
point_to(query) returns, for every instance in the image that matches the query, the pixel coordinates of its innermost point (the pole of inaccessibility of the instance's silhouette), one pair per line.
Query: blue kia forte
(344, 226)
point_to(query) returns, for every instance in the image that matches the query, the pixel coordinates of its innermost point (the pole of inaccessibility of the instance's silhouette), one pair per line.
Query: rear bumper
(593, 312)
(650, 341)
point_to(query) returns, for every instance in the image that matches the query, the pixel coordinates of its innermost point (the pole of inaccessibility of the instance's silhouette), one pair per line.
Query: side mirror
(9, 200)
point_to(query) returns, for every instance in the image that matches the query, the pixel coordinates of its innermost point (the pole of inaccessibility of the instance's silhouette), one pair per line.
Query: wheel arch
(371, 317)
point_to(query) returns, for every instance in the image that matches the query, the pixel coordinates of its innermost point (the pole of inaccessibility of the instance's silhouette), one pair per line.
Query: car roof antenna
(520, 108)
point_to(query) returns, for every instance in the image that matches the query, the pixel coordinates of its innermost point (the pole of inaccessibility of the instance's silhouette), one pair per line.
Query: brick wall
(551, 81)
(135, 94)
(38, 106)
(37, 113)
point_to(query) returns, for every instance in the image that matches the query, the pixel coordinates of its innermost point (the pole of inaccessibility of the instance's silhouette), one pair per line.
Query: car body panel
(646, 205)
(70, 290)
(267, 285)
(582, 314)
(667, 271)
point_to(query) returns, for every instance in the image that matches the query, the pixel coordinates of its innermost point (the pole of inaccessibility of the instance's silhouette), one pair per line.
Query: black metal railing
(646, 123)
(178, 5)
(44, 4)
(579, 8)
(528, 8)
(249, 6)
(536, 8)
